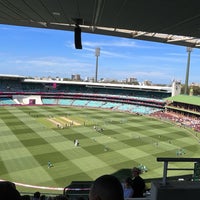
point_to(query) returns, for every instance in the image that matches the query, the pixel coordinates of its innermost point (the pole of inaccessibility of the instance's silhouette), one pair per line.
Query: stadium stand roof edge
(193, 100)
(90, 84)
(11, 76)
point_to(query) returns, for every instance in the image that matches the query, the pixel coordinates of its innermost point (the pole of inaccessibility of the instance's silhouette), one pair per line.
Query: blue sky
(41, 52)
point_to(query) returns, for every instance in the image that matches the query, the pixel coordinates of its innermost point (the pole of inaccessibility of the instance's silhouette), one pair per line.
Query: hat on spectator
(137, 170)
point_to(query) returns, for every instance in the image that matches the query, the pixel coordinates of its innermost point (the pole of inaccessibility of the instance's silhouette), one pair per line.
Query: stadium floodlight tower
(97, 54)
(189, 50)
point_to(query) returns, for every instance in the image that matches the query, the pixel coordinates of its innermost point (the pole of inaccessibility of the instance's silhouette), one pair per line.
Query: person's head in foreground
(106, 187)
(8, 191)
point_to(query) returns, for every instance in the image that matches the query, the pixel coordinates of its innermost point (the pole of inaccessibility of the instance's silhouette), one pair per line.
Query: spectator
(26, 197)
(43, 197)
(60, 197)
(106, 187)
(128, 190)
(80, 198)
(137, 183)
(36, 196)
(50, 198)
(8, 191)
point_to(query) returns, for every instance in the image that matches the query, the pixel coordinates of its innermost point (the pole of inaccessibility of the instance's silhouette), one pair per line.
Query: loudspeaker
(77, 37)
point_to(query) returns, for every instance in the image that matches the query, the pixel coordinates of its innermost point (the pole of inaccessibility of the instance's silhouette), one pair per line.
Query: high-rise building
(76, 77)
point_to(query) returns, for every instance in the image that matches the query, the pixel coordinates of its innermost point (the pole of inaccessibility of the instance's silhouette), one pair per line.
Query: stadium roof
(106, 85)
(193, 100)
(5, 76)
(167, 21)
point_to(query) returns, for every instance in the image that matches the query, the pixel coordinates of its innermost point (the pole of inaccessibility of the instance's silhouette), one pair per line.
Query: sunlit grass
(29, 140)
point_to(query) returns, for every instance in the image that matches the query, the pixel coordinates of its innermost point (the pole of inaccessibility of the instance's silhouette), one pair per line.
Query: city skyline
(39, 52)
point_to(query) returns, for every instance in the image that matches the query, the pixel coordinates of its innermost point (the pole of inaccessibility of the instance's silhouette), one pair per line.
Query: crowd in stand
(8, 191)
(180, 119)
(190, 107)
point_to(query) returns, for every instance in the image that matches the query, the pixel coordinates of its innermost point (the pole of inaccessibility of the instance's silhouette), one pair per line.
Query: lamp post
(189, 50)
(97, 54)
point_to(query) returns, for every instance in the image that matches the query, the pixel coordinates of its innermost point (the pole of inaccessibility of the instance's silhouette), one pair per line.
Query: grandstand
(185, 110)
(188, 105)
(23, 91)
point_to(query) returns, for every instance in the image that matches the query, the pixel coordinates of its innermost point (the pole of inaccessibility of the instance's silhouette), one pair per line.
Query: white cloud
(103, 53)
(50, 61)
(112, 43)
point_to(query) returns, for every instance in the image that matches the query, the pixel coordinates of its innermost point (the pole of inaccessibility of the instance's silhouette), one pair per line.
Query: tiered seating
(80, 102)
(10, 85)
(125, 107)
(110, 105)
(143, 109)
(66, 102)
(49, 101)
(131, 100)
(6, 101)
(96, 104)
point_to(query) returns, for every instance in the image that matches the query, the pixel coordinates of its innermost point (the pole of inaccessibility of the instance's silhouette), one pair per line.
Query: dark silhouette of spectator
(43, 197)
(137, 183)
(128, 190)
(26, 197)
(106, 187)
(50, 198)
(60, 197)
(80, 198)
(36, 196)
(8, 191)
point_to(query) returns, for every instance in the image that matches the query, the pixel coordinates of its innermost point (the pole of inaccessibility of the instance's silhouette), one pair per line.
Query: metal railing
(167, 160)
